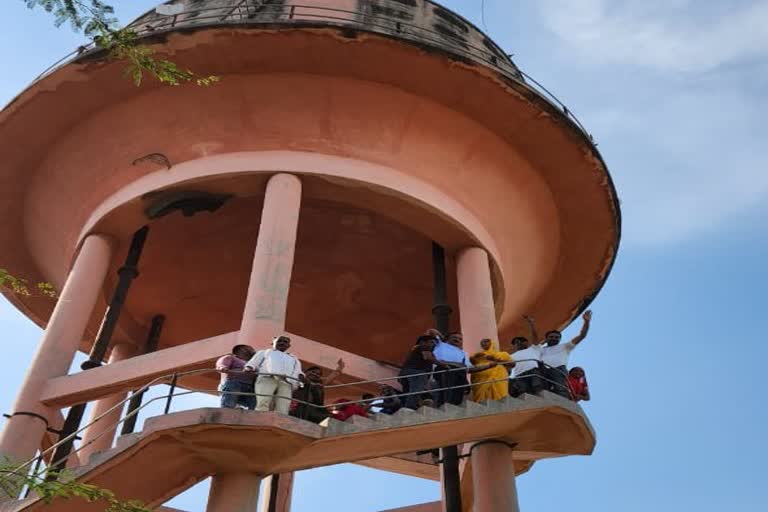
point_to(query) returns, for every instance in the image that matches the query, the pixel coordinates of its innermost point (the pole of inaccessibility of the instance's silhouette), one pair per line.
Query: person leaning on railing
(390, 403)
(312, 390)
(278, 376)
(555, 356)
(415, 372)
(490, 383)
(234, 378)
(527, 356)
(577, 382)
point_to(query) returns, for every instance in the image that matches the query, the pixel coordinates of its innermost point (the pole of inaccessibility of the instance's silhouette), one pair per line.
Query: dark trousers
(529, 382)
(412, 383)
(457, 381)
(309, 413)
(557, 381)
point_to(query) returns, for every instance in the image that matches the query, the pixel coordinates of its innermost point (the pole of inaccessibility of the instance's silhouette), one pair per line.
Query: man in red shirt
(577, 382)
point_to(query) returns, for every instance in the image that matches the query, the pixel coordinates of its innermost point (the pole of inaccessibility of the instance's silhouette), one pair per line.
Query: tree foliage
(21, 286)
(13, 479)
(97, 21)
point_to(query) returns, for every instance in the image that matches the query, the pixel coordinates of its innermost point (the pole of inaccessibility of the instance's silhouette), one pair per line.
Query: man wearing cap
(278, 372)
(235, 381)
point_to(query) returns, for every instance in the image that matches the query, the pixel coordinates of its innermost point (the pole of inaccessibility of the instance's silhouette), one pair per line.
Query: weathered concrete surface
(522, 183)
(173, 452)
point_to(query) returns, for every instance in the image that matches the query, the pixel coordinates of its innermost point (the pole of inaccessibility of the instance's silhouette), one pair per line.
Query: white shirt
(277, 363)
(532, 352)
(557, 355)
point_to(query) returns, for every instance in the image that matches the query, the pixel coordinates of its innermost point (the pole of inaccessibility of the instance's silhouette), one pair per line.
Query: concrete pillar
(100, 435)
(234, 492)
(279, 499)
(267, 300)
(493, 478)
(476, 307)
(23, 432)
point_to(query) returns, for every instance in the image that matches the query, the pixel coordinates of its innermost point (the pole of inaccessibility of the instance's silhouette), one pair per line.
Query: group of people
(436, 370)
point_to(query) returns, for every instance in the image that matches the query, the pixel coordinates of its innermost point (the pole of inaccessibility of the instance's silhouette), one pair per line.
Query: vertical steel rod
(126, 275)
(170, 393)
(153, 338)
(441, 313)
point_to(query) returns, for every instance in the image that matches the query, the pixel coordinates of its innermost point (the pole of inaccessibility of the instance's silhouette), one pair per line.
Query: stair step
(335, 427)
(473, 408)
(510, 403)
(361, 421)
(429, 413)
(451, 411)
(127, 439)
(532, 399)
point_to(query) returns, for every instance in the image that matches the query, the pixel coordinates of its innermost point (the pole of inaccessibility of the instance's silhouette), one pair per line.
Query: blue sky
(675, 94)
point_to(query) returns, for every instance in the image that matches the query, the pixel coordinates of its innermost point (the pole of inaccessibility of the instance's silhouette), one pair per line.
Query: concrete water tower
(352, 151)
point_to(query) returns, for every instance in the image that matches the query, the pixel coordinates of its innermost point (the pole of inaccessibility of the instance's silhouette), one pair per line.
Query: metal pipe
(61, 454)
(153, 338)
(170, 393)
(126, 275)
(441, 312)
(274, 484)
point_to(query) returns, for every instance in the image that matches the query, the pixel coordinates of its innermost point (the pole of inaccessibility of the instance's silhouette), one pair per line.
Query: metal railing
(38, 469)
(297, 15)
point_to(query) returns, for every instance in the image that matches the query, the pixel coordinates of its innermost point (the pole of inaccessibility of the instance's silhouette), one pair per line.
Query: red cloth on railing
(344, 412)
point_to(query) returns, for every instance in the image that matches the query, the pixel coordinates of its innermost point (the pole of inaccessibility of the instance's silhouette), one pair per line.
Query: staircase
(177, 450)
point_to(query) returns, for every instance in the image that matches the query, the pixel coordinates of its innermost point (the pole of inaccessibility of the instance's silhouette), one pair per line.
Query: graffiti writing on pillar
(271, 294)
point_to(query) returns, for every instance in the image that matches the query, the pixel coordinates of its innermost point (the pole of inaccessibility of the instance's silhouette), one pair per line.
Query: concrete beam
(409, 464)
(433, 506)
(137, 371)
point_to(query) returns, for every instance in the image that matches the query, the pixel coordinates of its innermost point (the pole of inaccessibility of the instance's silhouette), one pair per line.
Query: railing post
(153, 338)
(170, 393)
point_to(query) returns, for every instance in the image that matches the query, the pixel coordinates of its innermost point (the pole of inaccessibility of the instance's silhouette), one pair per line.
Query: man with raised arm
(278, 376)
(312, 391)
(555, 356)
(527, 355)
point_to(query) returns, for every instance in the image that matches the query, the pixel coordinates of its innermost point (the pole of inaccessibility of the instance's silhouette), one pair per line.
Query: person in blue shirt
(452, 366)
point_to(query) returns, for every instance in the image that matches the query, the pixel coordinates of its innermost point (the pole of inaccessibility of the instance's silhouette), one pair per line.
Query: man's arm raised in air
(335, 373)
(535, 340)
(587, 316)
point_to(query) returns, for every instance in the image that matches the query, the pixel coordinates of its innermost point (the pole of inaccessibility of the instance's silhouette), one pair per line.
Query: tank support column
(234, 492)
(493, 477)
(476, 307)
(99, 436)
(267, 300)
(25, 429)
(277, 493)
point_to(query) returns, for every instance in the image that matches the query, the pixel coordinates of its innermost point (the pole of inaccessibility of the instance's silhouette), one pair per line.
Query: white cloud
(672, 90)
(663, 34)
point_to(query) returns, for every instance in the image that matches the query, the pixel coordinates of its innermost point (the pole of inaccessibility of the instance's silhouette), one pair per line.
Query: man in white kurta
(278, 372)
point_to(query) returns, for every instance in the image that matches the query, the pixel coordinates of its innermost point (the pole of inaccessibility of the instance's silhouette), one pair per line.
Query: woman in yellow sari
(483, 385)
